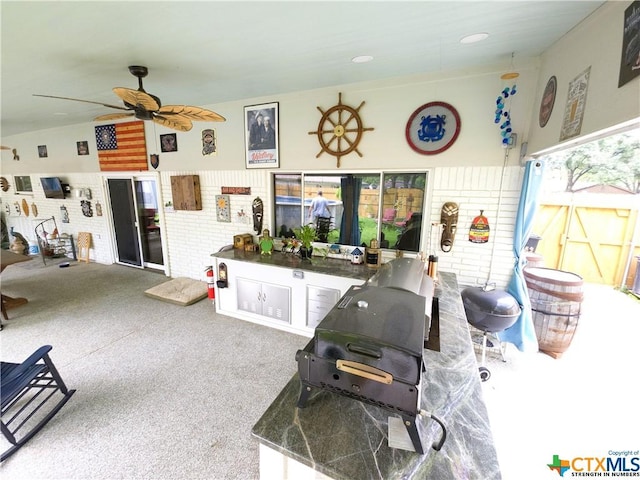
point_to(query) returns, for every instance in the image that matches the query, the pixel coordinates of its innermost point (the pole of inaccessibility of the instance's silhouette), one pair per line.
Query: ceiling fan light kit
(144, 106)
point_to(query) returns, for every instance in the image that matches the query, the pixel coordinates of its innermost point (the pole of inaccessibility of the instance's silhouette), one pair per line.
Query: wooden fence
(595, 236)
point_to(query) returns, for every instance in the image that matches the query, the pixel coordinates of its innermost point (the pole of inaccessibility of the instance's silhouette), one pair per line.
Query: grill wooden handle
(365, 371)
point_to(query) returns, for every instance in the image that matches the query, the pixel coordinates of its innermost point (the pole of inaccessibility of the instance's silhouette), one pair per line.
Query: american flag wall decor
(122, 146)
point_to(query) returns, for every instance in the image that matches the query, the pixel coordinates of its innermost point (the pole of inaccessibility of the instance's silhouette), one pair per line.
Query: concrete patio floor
(583, 404)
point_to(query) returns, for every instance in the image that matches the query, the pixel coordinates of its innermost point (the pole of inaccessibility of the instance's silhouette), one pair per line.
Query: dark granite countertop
(347, 440)
(327, 266)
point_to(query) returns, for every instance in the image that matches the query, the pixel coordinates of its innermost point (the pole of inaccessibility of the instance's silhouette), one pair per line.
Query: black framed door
(125, 223)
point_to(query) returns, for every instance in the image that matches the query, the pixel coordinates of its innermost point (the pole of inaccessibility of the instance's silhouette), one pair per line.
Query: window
(353, 208)
(402, 208)
(22, 183)
(288, 204)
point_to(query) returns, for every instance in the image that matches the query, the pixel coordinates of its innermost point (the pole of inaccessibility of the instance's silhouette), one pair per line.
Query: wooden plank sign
(236, 190)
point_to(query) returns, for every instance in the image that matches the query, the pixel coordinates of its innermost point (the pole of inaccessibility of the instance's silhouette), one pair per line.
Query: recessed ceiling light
(60, 113)
(362, 59)
(475, 37)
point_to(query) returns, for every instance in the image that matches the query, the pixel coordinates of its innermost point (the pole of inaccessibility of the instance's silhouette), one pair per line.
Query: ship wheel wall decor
(340, 130)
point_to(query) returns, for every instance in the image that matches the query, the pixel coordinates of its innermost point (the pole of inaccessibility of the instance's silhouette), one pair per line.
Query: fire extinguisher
(211, 283)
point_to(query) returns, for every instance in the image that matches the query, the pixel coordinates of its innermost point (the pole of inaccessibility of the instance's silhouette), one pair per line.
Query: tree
(613, 160)
(625, 154)
(581, 163)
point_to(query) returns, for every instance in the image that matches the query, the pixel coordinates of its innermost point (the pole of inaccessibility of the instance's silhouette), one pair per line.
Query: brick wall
(101, 248)
(193, 235)
(475, 189)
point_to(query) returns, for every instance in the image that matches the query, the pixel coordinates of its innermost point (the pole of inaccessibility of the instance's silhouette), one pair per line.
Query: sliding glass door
(135, 214)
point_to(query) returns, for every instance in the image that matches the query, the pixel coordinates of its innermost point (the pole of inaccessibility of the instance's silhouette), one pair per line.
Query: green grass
(368, 231)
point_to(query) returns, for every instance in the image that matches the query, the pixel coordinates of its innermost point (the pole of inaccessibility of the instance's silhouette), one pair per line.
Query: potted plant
(306, 234)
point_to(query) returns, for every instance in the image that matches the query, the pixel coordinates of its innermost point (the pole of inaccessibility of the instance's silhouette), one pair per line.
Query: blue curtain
(350, 187)
(522, 334)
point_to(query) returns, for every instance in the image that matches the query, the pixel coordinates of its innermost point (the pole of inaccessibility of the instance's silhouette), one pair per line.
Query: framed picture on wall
(169, 142)
(22, 183)
(223, 208)
(209, 142)
(261, 136)
(83, 147)
(630, 58)
(574, 108)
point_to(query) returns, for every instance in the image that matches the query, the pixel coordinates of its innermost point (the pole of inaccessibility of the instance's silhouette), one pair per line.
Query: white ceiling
(206, 53)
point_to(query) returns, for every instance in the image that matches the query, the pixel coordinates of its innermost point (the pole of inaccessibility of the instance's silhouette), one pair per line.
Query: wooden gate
(589, 234)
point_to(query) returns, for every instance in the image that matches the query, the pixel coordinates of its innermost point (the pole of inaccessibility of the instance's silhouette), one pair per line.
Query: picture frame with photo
(83, 147)
(169, 142)
(42, 151)
(261, 128)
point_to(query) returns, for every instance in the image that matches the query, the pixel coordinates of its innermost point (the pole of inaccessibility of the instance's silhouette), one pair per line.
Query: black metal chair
(25, 389)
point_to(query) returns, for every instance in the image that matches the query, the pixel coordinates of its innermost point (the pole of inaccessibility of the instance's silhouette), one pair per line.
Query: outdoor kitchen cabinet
(320, 301)
(281, 291)
(271, 301)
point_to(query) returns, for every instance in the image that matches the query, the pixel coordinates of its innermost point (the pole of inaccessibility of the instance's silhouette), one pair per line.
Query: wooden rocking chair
(25, 388)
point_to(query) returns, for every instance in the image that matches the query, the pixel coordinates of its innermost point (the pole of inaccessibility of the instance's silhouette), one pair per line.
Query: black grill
(369, 346)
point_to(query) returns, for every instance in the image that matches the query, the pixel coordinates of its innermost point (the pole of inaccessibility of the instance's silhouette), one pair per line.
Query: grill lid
(495, 302)
(380, 316)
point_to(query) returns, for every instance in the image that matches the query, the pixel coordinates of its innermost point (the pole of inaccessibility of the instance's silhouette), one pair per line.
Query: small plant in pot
(306, 234)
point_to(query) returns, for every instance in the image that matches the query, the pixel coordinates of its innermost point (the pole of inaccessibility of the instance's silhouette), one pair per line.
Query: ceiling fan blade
(176, 122)
(194, 113)
(113, 116)
(136, 97)
(119, 107)
(2, 147)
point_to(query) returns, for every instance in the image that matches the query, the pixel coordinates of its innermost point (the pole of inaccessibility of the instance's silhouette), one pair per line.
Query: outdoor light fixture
(362, 59)
(473, 38)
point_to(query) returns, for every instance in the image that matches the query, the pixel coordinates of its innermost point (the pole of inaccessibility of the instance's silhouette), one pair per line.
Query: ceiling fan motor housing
(138, 71)
(140, 112)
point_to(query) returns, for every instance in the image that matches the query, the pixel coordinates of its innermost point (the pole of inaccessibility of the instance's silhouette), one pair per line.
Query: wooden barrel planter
(556, 299)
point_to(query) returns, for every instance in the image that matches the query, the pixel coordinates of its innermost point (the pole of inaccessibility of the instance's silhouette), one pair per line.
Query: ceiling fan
(145, 106)
(13, 150)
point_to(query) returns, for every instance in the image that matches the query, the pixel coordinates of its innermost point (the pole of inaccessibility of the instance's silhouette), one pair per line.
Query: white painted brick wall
(101, 250)
(475, 189)
(193, 235)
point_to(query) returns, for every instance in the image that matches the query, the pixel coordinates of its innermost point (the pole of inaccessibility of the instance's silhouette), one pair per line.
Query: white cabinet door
(249, 295)
(271, 301)
(276, 301)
